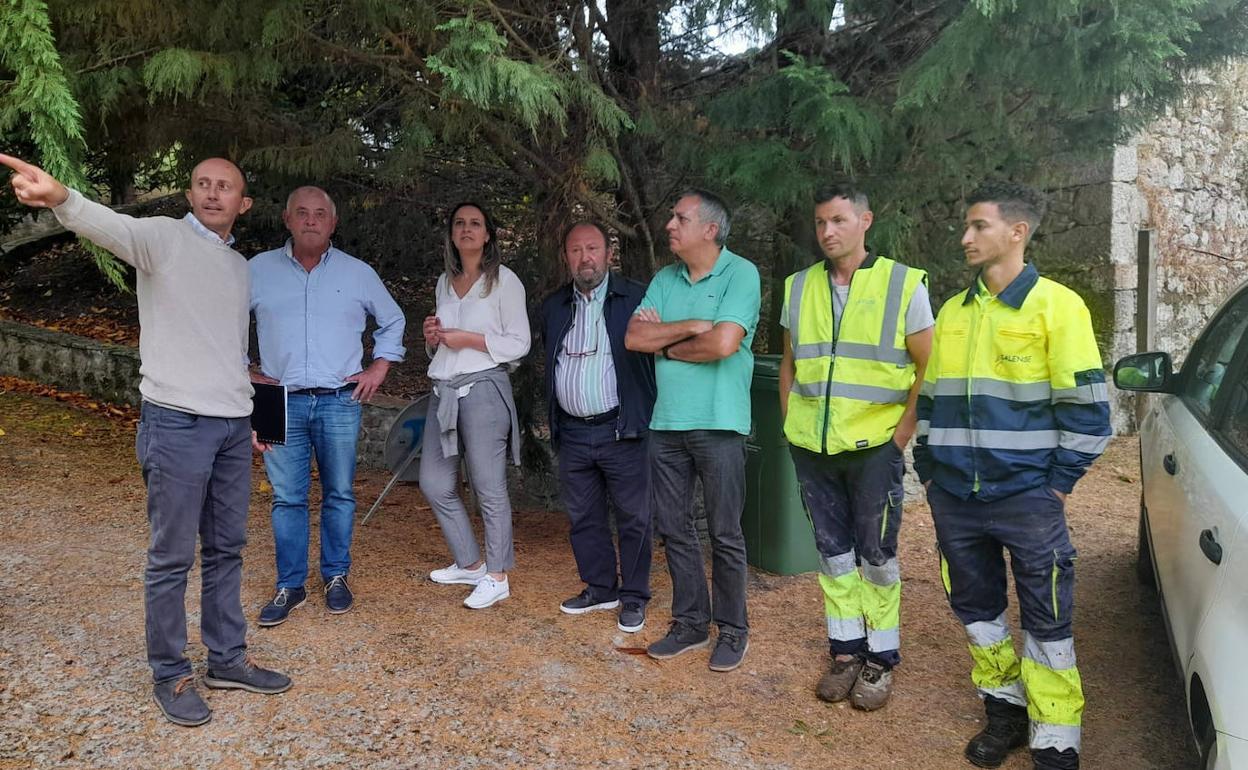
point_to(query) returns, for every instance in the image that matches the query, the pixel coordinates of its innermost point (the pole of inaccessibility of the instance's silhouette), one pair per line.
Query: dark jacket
(634, 372)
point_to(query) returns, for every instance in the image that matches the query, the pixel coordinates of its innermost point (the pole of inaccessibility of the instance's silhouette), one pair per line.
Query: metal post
(1145, 302)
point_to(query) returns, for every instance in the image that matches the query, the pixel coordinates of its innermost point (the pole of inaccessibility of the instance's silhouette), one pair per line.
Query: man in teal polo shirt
(698, 318)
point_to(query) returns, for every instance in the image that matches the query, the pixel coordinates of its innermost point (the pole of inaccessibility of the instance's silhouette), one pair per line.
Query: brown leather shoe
(872, 688)
(834, 686)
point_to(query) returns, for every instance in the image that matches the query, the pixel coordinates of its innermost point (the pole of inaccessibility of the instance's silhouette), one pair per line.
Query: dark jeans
(717, 458)
(198, 476)
(592, 466)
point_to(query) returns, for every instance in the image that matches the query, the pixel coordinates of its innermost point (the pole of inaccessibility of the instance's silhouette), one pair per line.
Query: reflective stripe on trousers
(866, 603)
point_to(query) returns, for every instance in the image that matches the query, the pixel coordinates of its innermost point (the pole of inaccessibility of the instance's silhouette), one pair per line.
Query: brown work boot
(872, 688)
(835, 685)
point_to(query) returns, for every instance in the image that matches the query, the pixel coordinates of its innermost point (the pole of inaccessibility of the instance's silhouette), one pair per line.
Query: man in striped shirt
(600, 397)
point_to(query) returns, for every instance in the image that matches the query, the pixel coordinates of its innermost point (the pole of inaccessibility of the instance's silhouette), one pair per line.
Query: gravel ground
(412, 679)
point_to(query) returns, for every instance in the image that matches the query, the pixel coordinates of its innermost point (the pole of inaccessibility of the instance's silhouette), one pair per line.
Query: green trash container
(778, 536)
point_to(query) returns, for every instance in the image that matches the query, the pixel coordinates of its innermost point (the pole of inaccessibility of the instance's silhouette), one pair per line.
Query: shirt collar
(867, 263)
(721, 264)
(204, 232)
(1013, 295)
(595, 296)
(290, 253)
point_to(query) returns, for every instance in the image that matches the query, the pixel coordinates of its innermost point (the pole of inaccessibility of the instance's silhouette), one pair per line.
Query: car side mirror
(1145, 372)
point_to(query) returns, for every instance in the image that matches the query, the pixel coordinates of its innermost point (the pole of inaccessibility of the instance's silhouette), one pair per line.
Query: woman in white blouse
(478, 335)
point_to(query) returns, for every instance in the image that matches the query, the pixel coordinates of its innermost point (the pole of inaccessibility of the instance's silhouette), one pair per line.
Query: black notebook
(268, 413)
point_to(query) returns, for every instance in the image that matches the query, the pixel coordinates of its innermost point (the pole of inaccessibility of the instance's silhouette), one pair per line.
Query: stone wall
(1185, 178)
(99, 369)
(1192, 183)
(111, 373)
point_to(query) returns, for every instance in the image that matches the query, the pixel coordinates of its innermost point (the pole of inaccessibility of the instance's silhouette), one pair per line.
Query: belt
(593, 419)
(322, 391)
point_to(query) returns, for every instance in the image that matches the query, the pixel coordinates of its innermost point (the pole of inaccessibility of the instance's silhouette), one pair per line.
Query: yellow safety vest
(851, 382)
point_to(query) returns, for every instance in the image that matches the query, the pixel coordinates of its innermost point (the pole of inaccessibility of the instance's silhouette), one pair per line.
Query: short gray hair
(712, 210)
(333, 207)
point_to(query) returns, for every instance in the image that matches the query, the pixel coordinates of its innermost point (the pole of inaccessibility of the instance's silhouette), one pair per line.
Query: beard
(587, 280)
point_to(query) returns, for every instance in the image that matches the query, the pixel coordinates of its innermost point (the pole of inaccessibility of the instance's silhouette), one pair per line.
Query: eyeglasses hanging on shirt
(581, 342)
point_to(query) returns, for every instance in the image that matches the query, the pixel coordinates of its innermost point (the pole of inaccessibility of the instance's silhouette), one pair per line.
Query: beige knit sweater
(193, 303)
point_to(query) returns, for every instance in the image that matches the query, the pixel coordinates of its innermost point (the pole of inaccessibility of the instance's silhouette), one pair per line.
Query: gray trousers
(484, 428)
(198, 476)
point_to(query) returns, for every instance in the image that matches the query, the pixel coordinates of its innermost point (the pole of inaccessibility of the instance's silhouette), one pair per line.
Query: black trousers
(595, 466)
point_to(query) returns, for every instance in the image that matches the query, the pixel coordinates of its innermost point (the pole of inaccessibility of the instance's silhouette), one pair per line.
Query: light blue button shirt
(311, 323)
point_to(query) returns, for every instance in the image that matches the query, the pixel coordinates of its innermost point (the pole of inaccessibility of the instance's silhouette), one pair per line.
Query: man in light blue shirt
(311, 303)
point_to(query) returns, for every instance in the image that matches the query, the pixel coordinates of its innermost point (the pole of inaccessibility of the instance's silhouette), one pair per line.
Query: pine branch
(41, 93)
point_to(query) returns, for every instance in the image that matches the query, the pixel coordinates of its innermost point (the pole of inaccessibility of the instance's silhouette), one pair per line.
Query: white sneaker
(456, 574)
(487, 592)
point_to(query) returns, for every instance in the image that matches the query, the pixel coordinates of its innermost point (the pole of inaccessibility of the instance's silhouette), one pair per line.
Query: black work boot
(1052, 759)
(1006, 730)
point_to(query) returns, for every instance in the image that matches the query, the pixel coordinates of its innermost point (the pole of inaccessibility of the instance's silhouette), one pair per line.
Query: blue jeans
(717, 458)
(327, 427)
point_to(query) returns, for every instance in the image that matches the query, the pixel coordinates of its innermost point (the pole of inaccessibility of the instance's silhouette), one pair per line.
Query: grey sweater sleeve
(128, 237)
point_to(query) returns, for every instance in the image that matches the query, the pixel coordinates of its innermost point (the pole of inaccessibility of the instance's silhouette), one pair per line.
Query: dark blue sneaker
(585, 602)
(279, 607)
(729, 651)
(632, 617)
(338, 597)
(679, 640)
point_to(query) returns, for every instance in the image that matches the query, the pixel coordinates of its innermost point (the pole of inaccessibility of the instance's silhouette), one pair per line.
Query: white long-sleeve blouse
(501, 317)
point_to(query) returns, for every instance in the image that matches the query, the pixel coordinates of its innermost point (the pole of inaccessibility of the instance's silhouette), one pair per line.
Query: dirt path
(412, 679)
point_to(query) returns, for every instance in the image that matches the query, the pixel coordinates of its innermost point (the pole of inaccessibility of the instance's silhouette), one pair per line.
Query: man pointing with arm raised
(194, 435)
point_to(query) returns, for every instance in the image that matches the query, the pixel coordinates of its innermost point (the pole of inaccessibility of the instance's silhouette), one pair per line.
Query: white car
(1194, 521)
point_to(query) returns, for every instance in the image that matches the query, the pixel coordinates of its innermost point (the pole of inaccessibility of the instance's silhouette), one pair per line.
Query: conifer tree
(39, 104)
(610, 107)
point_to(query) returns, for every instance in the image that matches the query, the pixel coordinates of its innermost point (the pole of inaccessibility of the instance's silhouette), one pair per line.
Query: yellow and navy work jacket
(1014, 396)
(853, 378)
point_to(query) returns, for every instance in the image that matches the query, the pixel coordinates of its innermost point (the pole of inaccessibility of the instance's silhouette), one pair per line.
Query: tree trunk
(632, 26)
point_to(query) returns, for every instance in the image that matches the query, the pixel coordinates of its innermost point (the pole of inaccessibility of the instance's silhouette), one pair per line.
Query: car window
(1205, 369)
(1235, 431)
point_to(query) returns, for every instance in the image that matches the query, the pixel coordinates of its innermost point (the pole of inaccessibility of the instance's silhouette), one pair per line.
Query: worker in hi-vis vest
(1013, 410)
(858, 331)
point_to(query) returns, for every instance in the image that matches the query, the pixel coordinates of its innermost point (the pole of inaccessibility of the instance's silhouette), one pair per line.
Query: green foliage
(609, 112)
(39, 99)
(475, 67)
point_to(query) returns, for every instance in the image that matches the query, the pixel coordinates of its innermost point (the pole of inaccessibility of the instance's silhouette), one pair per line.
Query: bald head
(218, 195)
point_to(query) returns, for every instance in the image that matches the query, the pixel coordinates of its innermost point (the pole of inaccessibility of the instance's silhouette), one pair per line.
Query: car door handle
(1170, 464)
(1209, 545)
